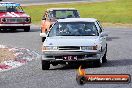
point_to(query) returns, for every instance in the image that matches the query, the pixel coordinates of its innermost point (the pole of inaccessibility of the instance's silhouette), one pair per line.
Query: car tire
(14, 30)
(45, 65)
(97, 63)
(27, 29)
(104, 58)
(43, 39)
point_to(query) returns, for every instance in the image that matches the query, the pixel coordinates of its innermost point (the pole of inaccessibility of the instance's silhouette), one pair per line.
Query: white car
(74, 39)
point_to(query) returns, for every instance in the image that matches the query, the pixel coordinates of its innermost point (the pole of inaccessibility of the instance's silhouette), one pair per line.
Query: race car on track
(73, 40)
(13, 17)
(53, 14)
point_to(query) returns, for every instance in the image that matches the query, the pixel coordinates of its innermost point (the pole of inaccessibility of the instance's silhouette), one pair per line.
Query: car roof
(51, 9)
(7, 3)
(77, 20)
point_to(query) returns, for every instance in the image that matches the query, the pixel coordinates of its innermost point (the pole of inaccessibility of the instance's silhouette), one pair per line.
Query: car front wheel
(43, 39)
(104, 58)
(97, 63)
(27, 29)
(45, 65)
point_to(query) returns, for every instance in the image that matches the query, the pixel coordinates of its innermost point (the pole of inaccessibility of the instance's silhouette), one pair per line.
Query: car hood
(13, 14)
(71, 41)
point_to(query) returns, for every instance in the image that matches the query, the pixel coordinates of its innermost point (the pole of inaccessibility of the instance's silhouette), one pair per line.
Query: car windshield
(61, 14)
(74, 29)
(10, 8)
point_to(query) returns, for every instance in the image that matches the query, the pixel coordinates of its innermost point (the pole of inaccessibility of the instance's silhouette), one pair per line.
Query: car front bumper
(83, 56)
(14, 25)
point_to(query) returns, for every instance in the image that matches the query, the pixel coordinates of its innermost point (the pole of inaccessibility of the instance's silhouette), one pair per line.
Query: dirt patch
(5, 55)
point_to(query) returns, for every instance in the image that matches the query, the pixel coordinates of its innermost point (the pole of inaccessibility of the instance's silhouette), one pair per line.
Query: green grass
(116, 11)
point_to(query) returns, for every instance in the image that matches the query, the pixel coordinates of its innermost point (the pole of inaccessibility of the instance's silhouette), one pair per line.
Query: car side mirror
(103, 34)
(43, 35)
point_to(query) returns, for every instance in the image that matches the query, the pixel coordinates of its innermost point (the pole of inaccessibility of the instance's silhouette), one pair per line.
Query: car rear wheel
(45, 65)
(27, 29)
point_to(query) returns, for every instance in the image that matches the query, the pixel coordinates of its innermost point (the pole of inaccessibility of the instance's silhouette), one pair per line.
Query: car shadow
(19, 30)
(10, 31)
(112, 38)
(110, 63)
(75, 66)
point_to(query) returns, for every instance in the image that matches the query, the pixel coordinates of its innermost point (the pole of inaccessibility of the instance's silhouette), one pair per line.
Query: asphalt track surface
(31, 75)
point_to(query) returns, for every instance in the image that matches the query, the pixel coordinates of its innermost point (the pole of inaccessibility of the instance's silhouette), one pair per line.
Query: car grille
(15, 20)
(69, 48)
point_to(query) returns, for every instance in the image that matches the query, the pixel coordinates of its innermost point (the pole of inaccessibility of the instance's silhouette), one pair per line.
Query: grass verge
(115, 11)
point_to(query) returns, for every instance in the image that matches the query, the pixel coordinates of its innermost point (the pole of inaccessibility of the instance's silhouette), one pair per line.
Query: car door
(102, 39)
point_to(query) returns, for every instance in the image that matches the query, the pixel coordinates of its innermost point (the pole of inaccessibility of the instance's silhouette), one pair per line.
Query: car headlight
(50, 48)
(28, 20)
(3, 20)
(89, 47)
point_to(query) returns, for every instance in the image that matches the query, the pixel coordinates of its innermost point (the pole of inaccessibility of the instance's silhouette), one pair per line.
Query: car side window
(100, 27)
(53, 30)
(49, 15)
